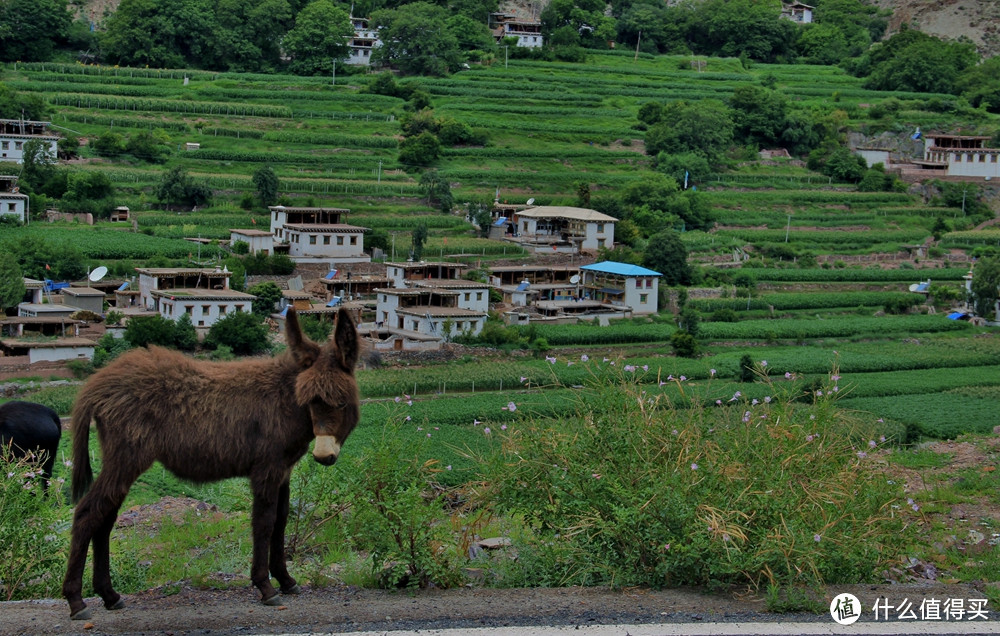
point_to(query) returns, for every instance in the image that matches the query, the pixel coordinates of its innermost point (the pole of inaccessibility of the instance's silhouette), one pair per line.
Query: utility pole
(334, 82)
(505, 56)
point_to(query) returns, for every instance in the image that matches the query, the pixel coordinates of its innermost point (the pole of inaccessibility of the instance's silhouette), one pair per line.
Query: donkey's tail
(83, 475)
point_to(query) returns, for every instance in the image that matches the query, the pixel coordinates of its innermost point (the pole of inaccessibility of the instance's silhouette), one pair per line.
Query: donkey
(31, 429)
(206, 421)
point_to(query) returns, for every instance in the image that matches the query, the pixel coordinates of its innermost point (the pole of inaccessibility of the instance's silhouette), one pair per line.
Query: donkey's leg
(279, 568)
(85, 522)
(265, 511)
(102, 561)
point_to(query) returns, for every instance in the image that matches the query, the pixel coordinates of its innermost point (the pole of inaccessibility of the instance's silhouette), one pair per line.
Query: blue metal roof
(621, 269)
(501, 221)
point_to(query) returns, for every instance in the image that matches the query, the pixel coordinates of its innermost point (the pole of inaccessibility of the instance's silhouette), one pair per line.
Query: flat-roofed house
(960, 155)
(205, 306)
(563, 228)
(622, 284)
(203, 293)
(12, 202)
(259, 241)
(403, 274)
(316, 235)
(15, 133)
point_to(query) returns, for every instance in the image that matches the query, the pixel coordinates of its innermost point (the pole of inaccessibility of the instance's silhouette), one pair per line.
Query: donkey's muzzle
(327, 450)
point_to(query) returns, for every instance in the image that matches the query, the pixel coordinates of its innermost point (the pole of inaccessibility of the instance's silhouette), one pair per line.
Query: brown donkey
(206, 421)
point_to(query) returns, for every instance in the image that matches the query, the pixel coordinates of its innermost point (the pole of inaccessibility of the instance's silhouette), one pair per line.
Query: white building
(205, 306)
(797, 12)
(204, 294)
(14, 133)
(12, 202)
(430, 311)
(259, 241)
(563, 228)
(317, 235)
(960, 156)
(505, 25)
(363, 43)
(406, 274)
(622, 284)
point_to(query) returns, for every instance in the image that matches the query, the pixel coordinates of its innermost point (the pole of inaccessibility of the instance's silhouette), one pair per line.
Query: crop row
(101, 243)
(849, 239)
(326, 139)
(85, 69)
(166, 105)
(989, 236)
(848, 359)
(852, 275)
(805, 300)
(121, 121)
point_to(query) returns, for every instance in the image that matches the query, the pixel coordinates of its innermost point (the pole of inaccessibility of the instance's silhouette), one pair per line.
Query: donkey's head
(327, 386)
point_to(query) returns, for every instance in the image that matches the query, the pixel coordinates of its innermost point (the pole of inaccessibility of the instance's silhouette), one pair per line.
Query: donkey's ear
(304, 352)
(345, 338)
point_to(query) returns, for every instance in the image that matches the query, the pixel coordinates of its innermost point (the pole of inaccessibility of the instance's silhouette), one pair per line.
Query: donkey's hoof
(117, 605)
(81, 615)
(274, 601)
(295, 589)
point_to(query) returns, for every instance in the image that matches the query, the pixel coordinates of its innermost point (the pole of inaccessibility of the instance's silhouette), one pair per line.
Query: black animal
(29, 428)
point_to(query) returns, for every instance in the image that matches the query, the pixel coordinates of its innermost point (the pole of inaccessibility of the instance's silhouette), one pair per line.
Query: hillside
(977, 20)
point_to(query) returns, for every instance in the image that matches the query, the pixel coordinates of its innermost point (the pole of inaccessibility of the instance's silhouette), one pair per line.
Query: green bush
(633, 491)
(33, 531)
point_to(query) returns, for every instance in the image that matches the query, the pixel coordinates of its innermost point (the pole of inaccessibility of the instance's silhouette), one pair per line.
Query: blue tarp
(331, 274)
(334, 301)
(621, 269)
(956, 315)
(500, 221)
(523, 287)
(124, 286)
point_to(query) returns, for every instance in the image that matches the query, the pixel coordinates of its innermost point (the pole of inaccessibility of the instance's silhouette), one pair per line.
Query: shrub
(33, 536)
(243, 332)
(146, 330)
(646, 493)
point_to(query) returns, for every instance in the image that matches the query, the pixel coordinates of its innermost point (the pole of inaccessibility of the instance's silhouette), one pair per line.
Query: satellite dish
(531, 200)
(98, 273)
(575, 279)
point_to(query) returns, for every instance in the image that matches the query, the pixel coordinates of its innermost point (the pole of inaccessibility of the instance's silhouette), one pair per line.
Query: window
(600, 227)
(312, 239)
(643, 299)
(10, 207)
(4, 145)
(340, 240)
(326, 240)
(354, 240)
(206, 309)
(188, 309)
(468, 296)
(222, 310)
(479, 295)
(238, 307)
(18, 145)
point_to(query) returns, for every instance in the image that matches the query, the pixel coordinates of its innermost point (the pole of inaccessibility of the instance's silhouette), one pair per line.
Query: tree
(704, 127)
(914, 61)
(758, 115)
(418, 238)
(318, 38)
(985, 284)
(243, 332)
(667, 255)
(267, 296)
(742, 28)
(438, 190)
(37, 164)
(14, 105)
(471, 34)
(265, 181)
(422, 150)
(146, 330)
(108, 144)
(250, 32)
(149, 145)
(89, 192)
(185, 335)
(416, 40)
(177, 189)
(12, 287)
(30, 29)
(163, 34)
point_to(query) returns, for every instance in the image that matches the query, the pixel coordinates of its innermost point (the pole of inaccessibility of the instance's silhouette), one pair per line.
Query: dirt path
(347, 609)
